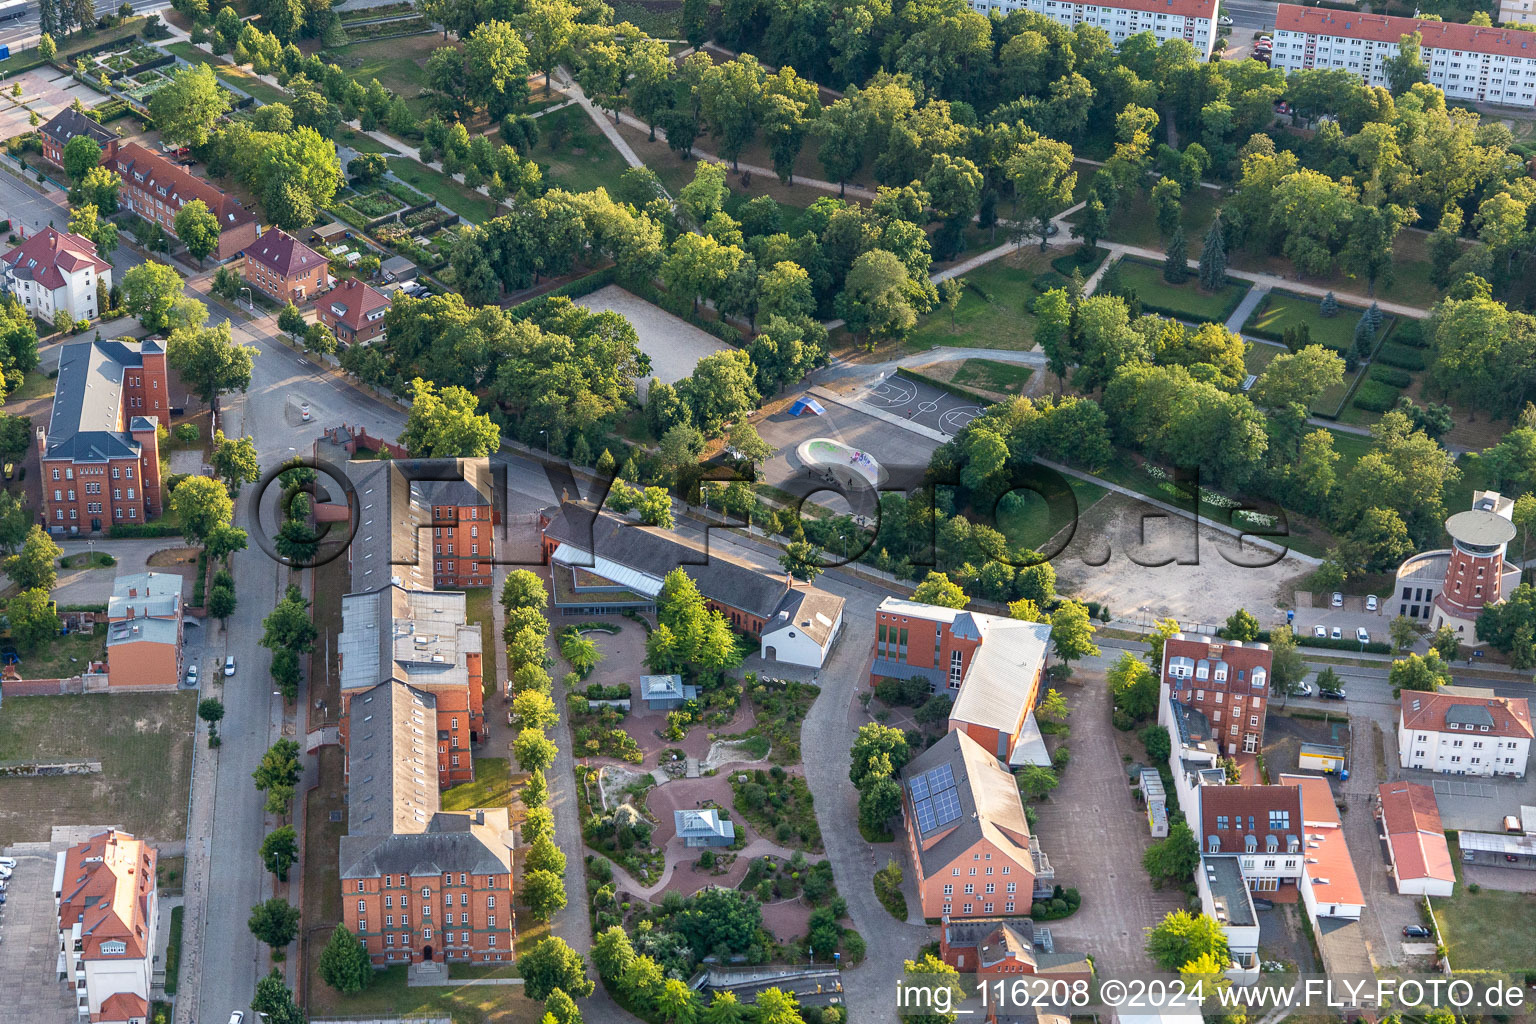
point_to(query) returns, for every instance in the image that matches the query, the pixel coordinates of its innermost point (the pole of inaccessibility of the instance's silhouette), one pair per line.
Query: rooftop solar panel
(941, 777)
(919, 787)
(925, 820)
(946, 807)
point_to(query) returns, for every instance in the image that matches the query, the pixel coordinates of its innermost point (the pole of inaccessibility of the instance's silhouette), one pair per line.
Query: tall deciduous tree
(1042, 177)
(186, 110)
(198, 229)
(209, 361)
(202, 504)
(447, 423)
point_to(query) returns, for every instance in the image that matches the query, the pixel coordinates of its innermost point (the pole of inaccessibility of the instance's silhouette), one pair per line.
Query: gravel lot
(675, 346)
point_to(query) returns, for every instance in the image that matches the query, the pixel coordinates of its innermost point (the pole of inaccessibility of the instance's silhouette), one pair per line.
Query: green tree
(81, 153)
(942, 985)
(1176, 261)
(1406, 67)
(47, 48)
(747, 445)
(523, 589)
(186, 109)
(149, 290)
(1213, 257)
(612, 952)
(296, 174)
(280, 850)
(879, 297)
(446, 423)
(1298, 378)
(234, 460)
(655, 507)
(879, 802)
(221, 602)
(1403, 633)
(1174, 857)
(209, 361)
(275, 922)
(1427, 673)
(32, 618)
(289, 624)
(535, 791)
(552, 964)
(802, 560)
(1043, 179)
(546, 856)
(548, 26)
(534, 710)
(561, 1008)
(533, 750)
(544, 893)
(937, 589)
(274, 1000)
(344, 962)
(223, 541)
(1036, 782)
(211, 710)
(1287, 668)
(1072, 632)
(1182, 937)
(202, 504)
(1241, 625)
(198, 229)
(1445, 643)
(881, 745)
(1133, 687)
(36, 565)
(1328, 681)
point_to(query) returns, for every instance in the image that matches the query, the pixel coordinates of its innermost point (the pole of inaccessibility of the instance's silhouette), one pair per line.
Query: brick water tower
(1475, 573)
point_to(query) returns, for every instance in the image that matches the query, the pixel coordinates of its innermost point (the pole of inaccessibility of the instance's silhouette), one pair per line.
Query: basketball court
(920, 402)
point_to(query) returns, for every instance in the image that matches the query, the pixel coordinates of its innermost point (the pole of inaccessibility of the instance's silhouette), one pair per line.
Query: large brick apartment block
(100, 455)
(104, 889)
(423, 523)
(1227, 682)
(144, 630)
(156, 189)
(423, 638)
(68, 123)
(967, 834)
(283, 267)
(418, 883)
(56, 272)
(354, 312)
(989, 664)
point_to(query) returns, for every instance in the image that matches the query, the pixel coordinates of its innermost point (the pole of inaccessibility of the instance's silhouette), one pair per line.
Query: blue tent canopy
(805, 403)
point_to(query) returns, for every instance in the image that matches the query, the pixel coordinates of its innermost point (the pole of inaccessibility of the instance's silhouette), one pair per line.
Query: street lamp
(251, 305)
(546, 442)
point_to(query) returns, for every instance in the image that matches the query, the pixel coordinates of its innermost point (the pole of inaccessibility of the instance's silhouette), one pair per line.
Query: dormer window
(1250, 844)
(1213, 843)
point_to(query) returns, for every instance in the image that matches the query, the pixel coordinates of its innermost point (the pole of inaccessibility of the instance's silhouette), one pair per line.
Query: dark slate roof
(392, 761)
(393, 510)
(990, 807)
(451, 846)
(88, 399)
(69, 122)
(655, 553)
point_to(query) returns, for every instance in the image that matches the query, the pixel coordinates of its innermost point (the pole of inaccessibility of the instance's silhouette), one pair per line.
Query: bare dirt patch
(172, 558)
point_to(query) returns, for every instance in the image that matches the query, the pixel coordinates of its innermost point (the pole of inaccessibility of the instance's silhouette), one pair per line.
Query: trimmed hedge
(957, 390)
(1410, 333)
(1342, 644)
(1049, 280)
(570, 290)
(1391, 377)
(126, 530)
(1082, 259)
(1394, 354)
(1374, 396)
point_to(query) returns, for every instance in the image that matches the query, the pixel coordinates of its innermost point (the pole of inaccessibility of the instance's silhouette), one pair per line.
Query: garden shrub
(1394, 354)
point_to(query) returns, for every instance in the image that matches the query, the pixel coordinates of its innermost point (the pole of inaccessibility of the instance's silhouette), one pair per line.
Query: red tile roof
(1412, 820)
(283, 254)
(50, 254)
(356, 300)
(1382, 28)
(1329, 869)
(180, 185)
(1506, 716)
(108, 882)
(1247, 810)
(122, 1007)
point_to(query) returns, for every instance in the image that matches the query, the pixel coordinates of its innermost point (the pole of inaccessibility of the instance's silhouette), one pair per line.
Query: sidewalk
(202, 800)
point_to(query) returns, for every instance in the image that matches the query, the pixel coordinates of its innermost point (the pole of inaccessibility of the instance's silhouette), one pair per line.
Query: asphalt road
(32, 210)
(1250, 14)
(22, 33)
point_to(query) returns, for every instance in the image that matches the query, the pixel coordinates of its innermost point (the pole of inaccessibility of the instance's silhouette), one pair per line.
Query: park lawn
(492, 787)
(465, 202)
(1186, 301)
(1489, 930)
(1135, 223)
(992, 375)
(36, 384)
(585, 160)
(1281, 310)
(1004, 319)
(478, 609)
(143, 741)
(399, 63)
(1350, 448)
(229, 74)
(1410, 283)
(388, 996)
(362, 143)
(1030, 523)
(1259, 355)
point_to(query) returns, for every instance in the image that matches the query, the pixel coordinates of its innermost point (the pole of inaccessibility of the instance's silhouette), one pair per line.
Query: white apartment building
(1462, 731)
(53, 272)
(104, 889)
(1467, 62)
(1517, 12)
(1191, 20)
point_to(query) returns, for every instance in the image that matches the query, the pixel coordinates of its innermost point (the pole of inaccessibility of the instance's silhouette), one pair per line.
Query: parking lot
(29, 932)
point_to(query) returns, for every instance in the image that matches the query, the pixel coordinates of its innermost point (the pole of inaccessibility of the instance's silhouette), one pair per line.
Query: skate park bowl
(842, 463)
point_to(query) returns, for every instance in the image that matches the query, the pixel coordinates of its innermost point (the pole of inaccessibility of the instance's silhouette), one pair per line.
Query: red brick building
(428, 522)
(354, 312)
(283, 267)
(156, 189)
(1227, 681)
(990, 665)
(100, 456)
(68, 123)
(1006, 946)
(417, 883)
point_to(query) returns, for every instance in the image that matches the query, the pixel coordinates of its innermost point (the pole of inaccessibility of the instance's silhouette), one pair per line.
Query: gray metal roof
(395, 499)
(1469, 714)
(87, 402)
(655, 553)
(146, 594)
(155, 631)
(1231, 901)
(420, 637)
(1480, 527)
(989, 801)
(392, 761)
(453, 842)
(691, 824)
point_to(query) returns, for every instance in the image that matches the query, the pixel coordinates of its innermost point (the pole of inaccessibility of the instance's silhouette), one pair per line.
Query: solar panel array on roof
(934, 798)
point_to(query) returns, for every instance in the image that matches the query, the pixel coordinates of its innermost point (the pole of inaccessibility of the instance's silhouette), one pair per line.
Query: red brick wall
(369, 906)
(463, 545)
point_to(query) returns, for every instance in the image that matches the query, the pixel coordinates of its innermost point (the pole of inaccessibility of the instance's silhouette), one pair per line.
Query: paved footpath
(205, 772)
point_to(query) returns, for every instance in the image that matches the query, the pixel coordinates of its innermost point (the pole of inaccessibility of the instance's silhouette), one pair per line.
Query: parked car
(8, 862)
(192, 675)
(1370, 603)
(229, 665)
(1336, 634)
(1416, 931)
(5, 874)
(1223, 20)
(1260, 903)
(1304, 689)
(237, 1017)
(1320, 631)
(1338, 600)
(1361, 635)
(1332, 694)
